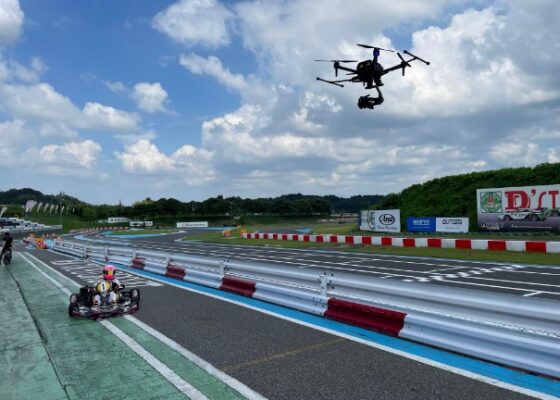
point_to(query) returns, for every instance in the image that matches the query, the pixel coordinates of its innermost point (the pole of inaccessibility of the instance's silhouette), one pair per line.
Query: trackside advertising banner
(380, 220)
(421, 224)
(431, 224)
(450, 225)
(527, 208)
(198, 224)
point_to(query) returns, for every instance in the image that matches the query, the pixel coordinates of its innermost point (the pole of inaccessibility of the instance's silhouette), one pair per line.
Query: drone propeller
(367, 46)
(404, 63)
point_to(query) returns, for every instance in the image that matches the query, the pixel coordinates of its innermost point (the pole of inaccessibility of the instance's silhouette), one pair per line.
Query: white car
(521, 214)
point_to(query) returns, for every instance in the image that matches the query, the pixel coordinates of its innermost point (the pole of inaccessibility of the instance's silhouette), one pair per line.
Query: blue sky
(124, 100)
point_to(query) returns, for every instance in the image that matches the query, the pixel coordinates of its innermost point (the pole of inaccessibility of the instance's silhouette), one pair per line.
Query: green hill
(455, 196)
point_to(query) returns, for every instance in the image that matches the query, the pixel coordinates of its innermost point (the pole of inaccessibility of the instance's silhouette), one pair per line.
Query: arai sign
(380, 220)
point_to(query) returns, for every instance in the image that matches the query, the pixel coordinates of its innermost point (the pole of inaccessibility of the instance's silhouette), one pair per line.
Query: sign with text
(197, 224)
(380, 220)
(526, 208)
(421, 224)
(451, 225)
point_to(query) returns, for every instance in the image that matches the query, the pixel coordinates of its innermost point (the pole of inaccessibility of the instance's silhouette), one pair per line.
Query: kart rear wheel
(135, 296)
(73, 304)
(555, 213)
(507, 218)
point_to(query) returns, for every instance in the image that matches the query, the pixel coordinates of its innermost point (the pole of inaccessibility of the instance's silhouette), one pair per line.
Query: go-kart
(81, 304)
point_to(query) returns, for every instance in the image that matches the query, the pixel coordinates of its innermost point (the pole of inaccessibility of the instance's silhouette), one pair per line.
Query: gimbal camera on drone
(369, 73)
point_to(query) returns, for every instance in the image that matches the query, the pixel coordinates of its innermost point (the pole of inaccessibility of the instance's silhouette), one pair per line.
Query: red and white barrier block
(465, 244)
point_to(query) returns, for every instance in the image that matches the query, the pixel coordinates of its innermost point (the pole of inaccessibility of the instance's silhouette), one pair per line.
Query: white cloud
(60, 130)
(193, 22)
(11, 21)
(131, 138)
(109, 118)
(150, 97)
(213, 67)
(116, 87)
(71, 158)
(23, 96)
(13, 135)
(144, 158)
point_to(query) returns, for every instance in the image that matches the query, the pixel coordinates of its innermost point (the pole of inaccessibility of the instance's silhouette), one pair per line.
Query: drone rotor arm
(347, 69)
(336, 83)
(415, 57)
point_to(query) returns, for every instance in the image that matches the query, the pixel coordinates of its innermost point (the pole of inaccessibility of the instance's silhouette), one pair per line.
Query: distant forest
(451, 196)
(291, 204)
(455, 196)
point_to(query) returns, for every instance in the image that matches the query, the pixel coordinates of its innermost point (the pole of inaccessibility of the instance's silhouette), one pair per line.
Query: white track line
(183, 386)
(209, 368)
(232, 382)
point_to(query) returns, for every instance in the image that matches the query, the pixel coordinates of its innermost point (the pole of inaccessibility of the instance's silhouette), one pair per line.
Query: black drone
(369, 72)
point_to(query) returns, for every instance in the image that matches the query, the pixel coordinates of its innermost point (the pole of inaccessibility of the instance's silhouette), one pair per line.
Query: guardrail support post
(106, 254)
(324, 285)
(84, 252)
(222, 268)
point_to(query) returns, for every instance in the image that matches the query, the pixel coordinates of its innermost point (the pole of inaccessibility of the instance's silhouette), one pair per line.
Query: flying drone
(369, 72)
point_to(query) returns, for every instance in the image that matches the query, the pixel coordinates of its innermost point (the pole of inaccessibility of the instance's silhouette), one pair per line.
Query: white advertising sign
(199, 224)
(380, 220)
(140, 224)
(459, 225)
(117, 220)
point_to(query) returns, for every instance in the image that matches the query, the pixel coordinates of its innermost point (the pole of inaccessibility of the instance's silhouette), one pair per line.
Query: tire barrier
(517, 331)
(464, 244)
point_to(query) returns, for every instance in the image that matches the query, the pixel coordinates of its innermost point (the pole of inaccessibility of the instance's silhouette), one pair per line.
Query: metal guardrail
(507, 329)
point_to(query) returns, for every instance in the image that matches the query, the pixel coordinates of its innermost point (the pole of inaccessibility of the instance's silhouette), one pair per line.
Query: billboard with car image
(526, 208)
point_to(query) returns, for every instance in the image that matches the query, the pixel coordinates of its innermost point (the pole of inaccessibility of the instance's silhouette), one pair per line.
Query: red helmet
(109, 272)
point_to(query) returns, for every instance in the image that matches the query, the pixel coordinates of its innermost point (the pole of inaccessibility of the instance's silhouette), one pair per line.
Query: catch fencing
(512, 330)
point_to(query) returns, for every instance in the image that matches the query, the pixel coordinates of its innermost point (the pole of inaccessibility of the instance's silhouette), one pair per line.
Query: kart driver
(7, 239)
(108, 284)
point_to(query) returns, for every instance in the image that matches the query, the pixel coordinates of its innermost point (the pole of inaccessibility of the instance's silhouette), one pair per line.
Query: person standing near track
(7, 247)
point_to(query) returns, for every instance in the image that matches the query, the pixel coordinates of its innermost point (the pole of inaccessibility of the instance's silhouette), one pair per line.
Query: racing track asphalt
(517, 279)
(283, 360)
